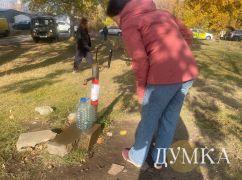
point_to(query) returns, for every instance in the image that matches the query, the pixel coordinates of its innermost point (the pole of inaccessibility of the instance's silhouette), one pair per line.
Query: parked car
(63, 27)
(222, 35)
(201, 34)
(44, 27)
(236, 35)
(113, 30)
(23, 25)
(4, 27)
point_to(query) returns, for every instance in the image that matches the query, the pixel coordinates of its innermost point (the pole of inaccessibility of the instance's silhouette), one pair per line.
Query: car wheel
(236, 38)
(57, 38)
(6, 34)
(208, 38)
(36, 40)
(50, 40)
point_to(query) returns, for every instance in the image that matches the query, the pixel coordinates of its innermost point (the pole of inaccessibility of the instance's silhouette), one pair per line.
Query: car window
(38, 22)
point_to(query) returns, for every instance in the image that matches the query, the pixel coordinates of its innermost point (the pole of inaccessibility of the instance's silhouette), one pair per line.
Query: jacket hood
(135, 7)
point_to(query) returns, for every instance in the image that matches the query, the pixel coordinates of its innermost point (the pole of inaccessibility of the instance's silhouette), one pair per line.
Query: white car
(209, 36)
(63, 27)
(113, 30)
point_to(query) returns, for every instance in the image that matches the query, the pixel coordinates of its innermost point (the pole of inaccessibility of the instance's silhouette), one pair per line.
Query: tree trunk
(72, 17)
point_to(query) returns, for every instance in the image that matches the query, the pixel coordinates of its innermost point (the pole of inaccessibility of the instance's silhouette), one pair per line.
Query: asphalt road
(25, 38)
(15, 39)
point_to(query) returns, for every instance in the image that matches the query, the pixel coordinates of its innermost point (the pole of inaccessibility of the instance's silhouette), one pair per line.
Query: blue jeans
(160, 112)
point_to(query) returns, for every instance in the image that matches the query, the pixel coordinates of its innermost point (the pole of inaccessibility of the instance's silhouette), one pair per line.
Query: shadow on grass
(222, 69)
(115, 43)
(19, 49)
(127, 88)
(104, 115)
(32, 84)
(64, 55)
(204, 107)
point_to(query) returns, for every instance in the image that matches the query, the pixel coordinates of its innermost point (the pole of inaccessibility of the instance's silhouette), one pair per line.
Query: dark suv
(44, 27)
(236, 35)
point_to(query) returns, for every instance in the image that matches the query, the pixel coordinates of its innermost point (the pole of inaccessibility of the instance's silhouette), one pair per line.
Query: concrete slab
(115, 169)
(72, 137)
(31, 139)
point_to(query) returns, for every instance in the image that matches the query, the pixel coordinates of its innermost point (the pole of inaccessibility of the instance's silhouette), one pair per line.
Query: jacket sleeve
(186, 33)
(136, 50)
(78, 34)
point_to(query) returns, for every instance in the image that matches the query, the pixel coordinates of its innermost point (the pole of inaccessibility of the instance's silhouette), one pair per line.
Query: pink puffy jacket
(158, 44)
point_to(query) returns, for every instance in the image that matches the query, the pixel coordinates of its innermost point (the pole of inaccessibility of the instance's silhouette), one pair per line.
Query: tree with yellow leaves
(212, 14)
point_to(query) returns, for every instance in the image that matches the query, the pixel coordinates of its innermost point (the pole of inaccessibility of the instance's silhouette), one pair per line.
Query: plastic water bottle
(86, 114)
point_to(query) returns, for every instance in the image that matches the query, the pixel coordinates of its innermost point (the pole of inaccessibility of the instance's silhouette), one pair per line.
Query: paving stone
(31, 139)
(115, 169)
(72, 137)
(58, 149)
(44, 110)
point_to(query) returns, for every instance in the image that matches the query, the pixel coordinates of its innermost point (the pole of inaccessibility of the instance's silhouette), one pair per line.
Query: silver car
(113, 30)
(236, 35)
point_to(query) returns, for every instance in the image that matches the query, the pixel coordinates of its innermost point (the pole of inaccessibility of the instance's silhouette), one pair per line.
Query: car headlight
(51, 31)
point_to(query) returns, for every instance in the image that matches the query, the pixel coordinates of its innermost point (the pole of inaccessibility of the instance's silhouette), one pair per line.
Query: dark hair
(115, 7)
(84, 21)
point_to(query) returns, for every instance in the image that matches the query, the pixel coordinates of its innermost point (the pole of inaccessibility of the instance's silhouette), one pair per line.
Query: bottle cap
(84, 100)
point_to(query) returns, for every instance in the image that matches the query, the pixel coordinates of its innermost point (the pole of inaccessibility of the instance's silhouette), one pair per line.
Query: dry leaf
(123, 133)
(100, 141)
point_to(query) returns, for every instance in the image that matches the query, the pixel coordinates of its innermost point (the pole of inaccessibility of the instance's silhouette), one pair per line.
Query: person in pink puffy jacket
(164, 69)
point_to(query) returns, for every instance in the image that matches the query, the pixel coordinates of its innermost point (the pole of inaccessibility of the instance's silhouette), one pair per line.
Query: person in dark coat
(83, 45)
(105, 33)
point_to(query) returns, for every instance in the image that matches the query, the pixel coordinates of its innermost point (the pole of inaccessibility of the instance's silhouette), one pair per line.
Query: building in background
(14, 4)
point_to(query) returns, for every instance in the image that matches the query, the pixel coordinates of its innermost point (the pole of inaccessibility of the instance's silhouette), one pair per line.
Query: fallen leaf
(109, 134)
(100, 141)
(50, 166)
(123, 133)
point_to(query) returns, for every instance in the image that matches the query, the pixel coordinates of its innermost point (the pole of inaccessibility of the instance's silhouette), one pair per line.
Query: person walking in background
(105, 33)
(164, 69)
(83, 45)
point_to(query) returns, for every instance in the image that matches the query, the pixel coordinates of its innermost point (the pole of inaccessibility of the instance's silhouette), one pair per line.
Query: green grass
(220, 81)
(216, 101)
(33, 75)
